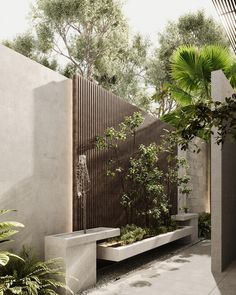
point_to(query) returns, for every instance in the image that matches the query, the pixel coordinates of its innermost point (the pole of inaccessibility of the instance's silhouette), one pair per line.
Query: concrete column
(223, 188)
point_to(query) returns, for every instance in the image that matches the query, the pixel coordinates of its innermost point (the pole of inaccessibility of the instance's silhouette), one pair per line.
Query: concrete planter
(123, 252)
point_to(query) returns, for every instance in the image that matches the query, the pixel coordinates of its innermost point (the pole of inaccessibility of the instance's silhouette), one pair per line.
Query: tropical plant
(204, 225)
(191, 68)
(7, 229)
(195, 29)
(29, 276)
(191, 72)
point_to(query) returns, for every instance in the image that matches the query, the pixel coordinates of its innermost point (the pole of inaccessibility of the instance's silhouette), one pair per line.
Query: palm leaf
(182, 97)
(191, 68)
(4, 235)
(2, 212)
(9, 224)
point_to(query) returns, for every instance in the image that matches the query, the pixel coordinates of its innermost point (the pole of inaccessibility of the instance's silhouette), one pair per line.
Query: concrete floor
(187, 273)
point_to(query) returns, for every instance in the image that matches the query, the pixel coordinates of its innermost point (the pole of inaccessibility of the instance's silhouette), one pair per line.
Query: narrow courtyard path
(185, 273)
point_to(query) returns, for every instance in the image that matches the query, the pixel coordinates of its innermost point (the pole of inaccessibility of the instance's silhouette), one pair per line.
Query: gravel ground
(108, 272)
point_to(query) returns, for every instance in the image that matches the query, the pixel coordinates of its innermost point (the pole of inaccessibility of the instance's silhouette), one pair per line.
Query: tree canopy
(192, 29)
(92, 39)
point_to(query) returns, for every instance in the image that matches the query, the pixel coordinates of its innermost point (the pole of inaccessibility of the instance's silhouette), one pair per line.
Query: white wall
(35, 149)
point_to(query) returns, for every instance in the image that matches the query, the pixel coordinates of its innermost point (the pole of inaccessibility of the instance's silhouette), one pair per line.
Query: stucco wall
(35, 149)
(223, 189)
(198, 200)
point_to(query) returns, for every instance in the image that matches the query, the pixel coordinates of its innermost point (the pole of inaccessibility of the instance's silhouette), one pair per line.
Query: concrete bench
(78, 250)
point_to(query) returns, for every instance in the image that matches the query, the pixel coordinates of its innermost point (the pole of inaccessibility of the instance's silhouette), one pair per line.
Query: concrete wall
(223, 189)
(199, 199)
(35, 149)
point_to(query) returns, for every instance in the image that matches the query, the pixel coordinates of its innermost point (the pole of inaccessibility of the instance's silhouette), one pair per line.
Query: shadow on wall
(40, 155)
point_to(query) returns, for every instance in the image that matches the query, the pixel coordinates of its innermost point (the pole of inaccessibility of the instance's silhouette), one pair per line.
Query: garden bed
(106, 252)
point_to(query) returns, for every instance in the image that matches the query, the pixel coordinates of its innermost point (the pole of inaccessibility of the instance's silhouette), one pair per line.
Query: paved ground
(186, 273)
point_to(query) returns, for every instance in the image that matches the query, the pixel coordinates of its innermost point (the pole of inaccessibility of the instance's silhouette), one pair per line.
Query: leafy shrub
(146, 187)
(204, 225)
(7, 229)
(29, 276)
(131, 234)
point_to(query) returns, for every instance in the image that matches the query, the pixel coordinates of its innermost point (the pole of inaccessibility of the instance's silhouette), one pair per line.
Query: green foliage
(29, 276)
(147, 192)
(198, 120)
(192, 29)
(131, 234)
(90, 38)
(93, 37)
(196, 114)
(204, 225)
(145, 185)
(195, 29)
(191, 67)
(126, 128)
(28, 45)
(7, 229)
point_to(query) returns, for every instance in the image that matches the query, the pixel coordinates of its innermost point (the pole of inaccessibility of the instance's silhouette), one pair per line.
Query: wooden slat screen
(226, 10)
(95, 109)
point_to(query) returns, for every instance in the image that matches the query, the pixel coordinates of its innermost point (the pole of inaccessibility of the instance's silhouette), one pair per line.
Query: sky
(146, 16)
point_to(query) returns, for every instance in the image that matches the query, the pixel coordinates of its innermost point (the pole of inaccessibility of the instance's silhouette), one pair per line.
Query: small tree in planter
(146, 186)
(147, 193)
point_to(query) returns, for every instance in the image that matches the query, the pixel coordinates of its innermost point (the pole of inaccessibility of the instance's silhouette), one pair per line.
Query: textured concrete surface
(198, 200)
(187, 273)
(223, 189)
(79, 252)
(36, 148)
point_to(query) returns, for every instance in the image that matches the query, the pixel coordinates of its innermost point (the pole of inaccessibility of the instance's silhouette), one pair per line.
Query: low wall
(36, 148)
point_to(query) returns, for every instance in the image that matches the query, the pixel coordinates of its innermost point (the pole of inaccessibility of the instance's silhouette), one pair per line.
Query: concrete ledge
(78, 237)
(184, 216)
(123, 252)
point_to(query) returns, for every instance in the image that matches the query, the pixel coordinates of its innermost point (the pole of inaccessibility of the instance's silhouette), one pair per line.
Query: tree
(190, 69)
(93, 37)
(90, 38)
(27, 45)
(195, 29)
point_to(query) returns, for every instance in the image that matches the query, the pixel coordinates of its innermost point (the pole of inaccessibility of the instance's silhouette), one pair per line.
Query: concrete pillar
(223, 188)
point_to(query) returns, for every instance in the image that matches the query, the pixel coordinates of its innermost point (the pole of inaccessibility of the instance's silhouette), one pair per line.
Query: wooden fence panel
(95, 109)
